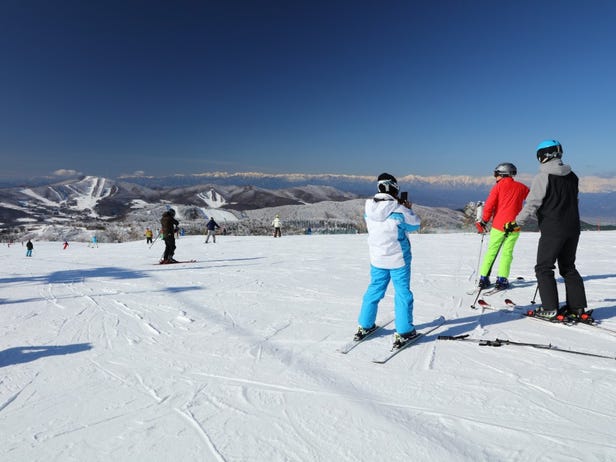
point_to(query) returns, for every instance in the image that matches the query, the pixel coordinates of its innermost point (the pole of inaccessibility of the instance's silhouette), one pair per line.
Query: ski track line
(275, 329)
(431, 360)
(549, 393)
(307, 443)
(149, 326)
(226, 314)
(189, 416)
(16, 395)
(51, 298)
(80, 427)
(151, 391)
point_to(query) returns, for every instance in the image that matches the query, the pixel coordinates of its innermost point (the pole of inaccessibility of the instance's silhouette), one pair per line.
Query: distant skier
(388, 220)
(65, 245)
(504, 202)
(276, 224)
(29, 247)
(169, 226)
(148, 236)
(211, 230)
(94, 242)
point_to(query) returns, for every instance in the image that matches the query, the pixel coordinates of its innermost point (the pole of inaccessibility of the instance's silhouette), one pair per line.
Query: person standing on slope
(169, 225)
(503, 204)
(553, 199)
(211, 230)
(29, 248)
(276, 224)
(388, 221)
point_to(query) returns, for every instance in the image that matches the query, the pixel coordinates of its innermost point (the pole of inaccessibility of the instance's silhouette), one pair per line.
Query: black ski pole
(154, 241)
(535, 296)
(500, 342)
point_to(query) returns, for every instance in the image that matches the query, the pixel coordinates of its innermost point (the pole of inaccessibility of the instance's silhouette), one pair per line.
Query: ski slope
(105, 355)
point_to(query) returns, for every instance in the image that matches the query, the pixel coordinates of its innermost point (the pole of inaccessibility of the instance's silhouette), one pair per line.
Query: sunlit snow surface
(105, 355)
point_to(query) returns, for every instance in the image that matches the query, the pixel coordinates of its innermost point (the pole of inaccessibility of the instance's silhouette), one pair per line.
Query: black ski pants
(561, 249)
(169, 247)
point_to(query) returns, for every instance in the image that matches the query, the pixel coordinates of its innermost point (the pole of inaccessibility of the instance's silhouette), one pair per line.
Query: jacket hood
(380, 207)
(555, 167)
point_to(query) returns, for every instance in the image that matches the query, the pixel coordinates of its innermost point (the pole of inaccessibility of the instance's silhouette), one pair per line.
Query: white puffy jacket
(388, 223)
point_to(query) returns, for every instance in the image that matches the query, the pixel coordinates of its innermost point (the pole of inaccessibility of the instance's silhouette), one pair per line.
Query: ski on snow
(176, 262)
(500, 342)
(353, 343)
(394, 351)
(531, 315)
(492, 289)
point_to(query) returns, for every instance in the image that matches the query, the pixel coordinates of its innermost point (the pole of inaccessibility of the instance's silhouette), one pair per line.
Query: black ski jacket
(553, 198)
(168, 224)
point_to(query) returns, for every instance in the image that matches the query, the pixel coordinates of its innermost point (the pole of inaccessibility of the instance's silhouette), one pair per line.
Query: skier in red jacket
(502, 206)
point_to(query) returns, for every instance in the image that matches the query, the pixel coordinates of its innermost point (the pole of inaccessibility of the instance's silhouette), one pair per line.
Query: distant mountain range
(87, 201)
(597, 195)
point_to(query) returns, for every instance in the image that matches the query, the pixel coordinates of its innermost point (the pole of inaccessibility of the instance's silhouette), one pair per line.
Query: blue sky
(426, 88)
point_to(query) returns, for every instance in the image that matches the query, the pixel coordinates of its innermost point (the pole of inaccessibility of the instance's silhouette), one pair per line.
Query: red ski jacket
(504, 202)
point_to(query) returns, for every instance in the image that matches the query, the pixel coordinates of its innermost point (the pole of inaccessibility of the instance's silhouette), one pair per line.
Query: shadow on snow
(26, 354)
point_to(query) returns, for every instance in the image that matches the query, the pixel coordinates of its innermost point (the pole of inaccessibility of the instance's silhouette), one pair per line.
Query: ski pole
(483, 235)
(535, 296)
(154, 241)
(479, 217)
(500, 342)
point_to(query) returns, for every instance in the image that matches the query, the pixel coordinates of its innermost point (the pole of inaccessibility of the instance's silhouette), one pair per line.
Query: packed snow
(106, 355)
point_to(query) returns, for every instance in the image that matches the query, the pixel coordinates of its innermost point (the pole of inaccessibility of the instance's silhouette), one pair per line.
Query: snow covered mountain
(118, 209)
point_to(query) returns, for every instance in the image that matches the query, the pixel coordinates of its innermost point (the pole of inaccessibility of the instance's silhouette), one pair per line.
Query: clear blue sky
(354, 87)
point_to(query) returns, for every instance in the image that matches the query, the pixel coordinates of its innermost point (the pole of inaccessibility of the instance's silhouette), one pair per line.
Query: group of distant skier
(169, 229)
(552, 198)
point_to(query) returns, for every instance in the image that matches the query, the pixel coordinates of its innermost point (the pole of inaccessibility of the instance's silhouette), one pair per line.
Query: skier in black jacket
(169, 225)
(553, 198)
(212, 226)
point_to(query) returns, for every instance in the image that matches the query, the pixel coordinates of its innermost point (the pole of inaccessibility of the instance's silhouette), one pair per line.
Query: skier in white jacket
(389, 219)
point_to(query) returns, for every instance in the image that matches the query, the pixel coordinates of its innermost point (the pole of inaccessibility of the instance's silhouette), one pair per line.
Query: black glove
(511, 227)
(481, 226)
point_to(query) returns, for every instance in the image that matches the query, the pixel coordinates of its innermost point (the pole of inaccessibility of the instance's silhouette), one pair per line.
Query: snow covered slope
(105, 355)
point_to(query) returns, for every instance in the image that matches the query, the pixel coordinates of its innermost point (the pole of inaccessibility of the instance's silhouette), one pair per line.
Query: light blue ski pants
(403, 298)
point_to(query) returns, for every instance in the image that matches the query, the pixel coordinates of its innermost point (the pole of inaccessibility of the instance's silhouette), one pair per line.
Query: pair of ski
(500, 342)
(175, 262)
(494, 289)
(487, 293)
(394, 351)
(531, 315)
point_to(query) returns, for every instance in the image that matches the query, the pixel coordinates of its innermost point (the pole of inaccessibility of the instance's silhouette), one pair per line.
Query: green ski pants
(508, 241)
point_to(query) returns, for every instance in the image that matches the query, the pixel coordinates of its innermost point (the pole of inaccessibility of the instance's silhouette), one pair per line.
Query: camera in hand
(404, 196)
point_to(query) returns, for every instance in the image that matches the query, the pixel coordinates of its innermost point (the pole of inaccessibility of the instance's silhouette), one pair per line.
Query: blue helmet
(548, 150)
